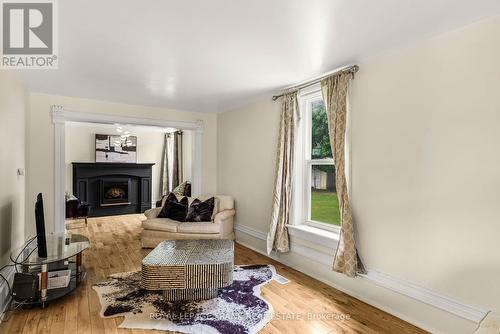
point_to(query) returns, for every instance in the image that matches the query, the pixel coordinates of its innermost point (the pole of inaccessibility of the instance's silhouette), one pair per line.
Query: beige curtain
(176, 139)
(171, 164)
(335, 91)
(277, 238)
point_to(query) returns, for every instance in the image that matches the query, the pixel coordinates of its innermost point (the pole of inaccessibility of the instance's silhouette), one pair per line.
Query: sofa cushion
(174, 208)
(199, 227)
(222, 202)
(180, 189)
(201, 211)
(187, 192)
(161, 224)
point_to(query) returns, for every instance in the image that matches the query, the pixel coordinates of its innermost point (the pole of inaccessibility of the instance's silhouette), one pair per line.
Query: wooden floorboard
(115, 247)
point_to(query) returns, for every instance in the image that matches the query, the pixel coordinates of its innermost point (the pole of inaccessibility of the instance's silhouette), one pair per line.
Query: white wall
(41, 143)
(246, 149)
(425, 164)
(80, 147)
(426, 129)
(12, 157)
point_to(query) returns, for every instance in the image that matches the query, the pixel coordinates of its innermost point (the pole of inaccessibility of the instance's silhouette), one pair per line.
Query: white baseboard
(458, 308)
(344, 290)
(4, 291)
(450, 305)
(313, 254)
(251, 231)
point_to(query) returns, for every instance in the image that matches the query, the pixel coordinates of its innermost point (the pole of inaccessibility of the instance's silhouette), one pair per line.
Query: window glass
(320, 139)
(324, 203)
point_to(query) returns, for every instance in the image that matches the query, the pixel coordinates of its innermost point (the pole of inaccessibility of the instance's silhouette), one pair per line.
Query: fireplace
(113, 188)
(115, 191)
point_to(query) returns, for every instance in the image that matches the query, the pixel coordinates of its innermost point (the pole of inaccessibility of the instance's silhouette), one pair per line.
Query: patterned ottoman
(189, 269)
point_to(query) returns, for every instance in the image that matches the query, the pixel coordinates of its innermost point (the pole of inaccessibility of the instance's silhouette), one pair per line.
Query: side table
(61, 254)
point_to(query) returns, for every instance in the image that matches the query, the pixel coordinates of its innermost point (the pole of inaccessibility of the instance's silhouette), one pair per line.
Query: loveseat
(156, 230)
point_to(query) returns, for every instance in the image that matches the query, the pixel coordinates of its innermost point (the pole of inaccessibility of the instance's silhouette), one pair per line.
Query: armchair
(77, 209)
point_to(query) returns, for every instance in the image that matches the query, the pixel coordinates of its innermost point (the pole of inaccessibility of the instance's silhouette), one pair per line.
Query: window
(320, 206)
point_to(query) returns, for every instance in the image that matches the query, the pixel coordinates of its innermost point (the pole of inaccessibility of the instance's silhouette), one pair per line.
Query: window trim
(304, 163)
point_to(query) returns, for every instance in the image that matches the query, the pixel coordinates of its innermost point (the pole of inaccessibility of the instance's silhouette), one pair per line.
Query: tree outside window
(324, 205)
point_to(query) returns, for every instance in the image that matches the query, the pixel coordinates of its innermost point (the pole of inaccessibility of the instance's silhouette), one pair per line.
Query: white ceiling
(210, 55)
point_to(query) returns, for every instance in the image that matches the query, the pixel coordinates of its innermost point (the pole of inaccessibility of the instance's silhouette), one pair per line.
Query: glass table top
(57, 249)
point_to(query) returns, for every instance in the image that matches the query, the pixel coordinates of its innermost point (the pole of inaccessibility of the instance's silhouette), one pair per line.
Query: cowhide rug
(237, 309)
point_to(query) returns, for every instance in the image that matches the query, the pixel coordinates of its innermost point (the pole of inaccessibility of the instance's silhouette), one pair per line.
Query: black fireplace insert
(115, 191)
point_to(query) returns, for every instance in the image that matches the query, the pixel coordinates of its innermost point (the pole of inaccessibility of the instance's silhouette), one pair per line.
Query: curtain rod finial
(348, 69)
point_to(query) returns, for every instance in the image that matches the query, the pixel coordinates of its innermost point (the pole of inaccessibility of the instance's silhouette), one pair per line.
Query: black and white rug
(237, 309)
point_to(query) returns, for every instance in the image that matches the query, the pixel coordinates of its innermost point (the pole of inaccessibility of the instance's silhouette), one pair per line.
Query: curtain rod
(352, 69)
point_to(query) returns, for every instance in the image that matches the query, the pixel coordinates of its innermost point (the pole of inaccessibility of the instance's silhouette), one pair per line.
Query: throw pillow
(179, 190)
(201, 211)
(174, 209)
(70, 197)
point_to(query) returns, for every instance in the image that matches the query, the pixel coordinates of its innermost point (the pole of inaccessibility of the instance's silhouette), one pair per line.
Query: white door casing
(61, 116)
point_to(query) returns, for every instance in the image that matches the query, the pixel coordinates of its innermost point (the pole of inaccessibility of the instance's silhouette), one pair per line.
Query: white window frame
(304, 163)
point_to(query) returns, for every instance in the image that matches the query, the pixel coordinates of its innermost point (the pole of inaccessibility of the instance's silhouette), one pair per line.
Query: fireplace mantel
(89, 177)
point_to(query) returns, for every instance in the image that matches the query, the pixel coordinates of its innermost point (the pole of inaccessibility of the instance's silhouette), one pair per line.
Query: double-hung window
(316, 167)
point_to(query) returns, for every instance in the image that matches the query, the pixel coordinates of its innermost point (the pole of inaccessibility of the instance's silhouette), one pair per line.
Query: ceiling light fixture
(125, 133)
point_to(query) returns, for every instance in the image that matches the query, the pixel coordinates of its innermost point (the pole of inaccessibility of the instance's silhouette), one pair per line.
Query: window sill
(323, 226)
(317, 235)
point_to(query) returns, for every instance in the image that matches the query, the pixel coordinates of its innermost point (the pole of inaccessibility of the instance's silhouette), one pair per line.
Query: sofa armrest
(152, 213)
(225, 219)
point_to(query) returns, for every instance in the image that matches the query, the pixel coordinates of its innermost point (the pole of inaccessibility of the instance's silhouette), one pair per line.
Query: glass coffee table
(63, 252)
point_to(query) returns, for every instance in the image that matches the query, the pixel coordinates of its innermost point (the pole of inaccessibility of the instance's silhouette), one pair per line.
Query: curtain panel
(277, 238)
(171, 163)
(335, 90)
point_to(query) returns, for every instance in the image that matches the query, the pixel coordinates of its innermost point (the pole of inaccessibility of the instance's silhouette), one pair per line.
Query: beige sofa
(155, 230)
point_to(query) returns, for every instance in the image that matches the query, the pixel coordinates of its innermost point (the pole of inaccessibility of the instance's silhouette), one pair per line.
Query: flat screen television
(40, 227)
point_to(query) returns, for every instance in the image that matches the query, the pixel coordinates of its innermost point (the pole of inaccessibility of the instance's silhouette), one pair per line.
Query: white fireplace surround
(60, 116)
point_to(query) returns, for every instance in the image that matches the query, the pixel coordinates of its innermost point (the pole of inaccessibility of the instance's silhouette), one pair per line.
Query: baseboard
(294, 247)
(346, 291)
(251, 231)
(450, 305)
(4, 291)
(323, 258)
(457, 308)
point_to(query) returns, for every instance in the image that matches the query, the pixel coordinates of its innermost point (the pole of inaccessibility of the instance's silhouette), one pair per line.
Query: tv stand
(63, 252)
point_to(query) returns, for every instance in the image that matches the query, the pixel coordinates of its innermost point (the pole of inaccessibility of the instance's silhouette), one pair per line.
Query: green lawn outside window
(325, 207)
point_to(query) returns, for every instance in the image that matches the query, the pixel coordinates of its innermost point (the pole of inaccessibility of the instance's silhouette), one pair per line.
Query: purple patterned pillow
(201, 211)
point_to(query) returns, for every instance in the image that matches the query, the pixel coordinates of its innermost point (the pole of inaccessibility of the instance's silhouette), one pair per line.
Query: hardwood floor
(115, 247)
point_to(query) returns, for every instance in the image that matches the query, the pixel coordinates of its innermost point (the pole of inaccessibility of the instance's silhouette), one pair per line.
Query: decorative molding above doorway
(60, 116)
